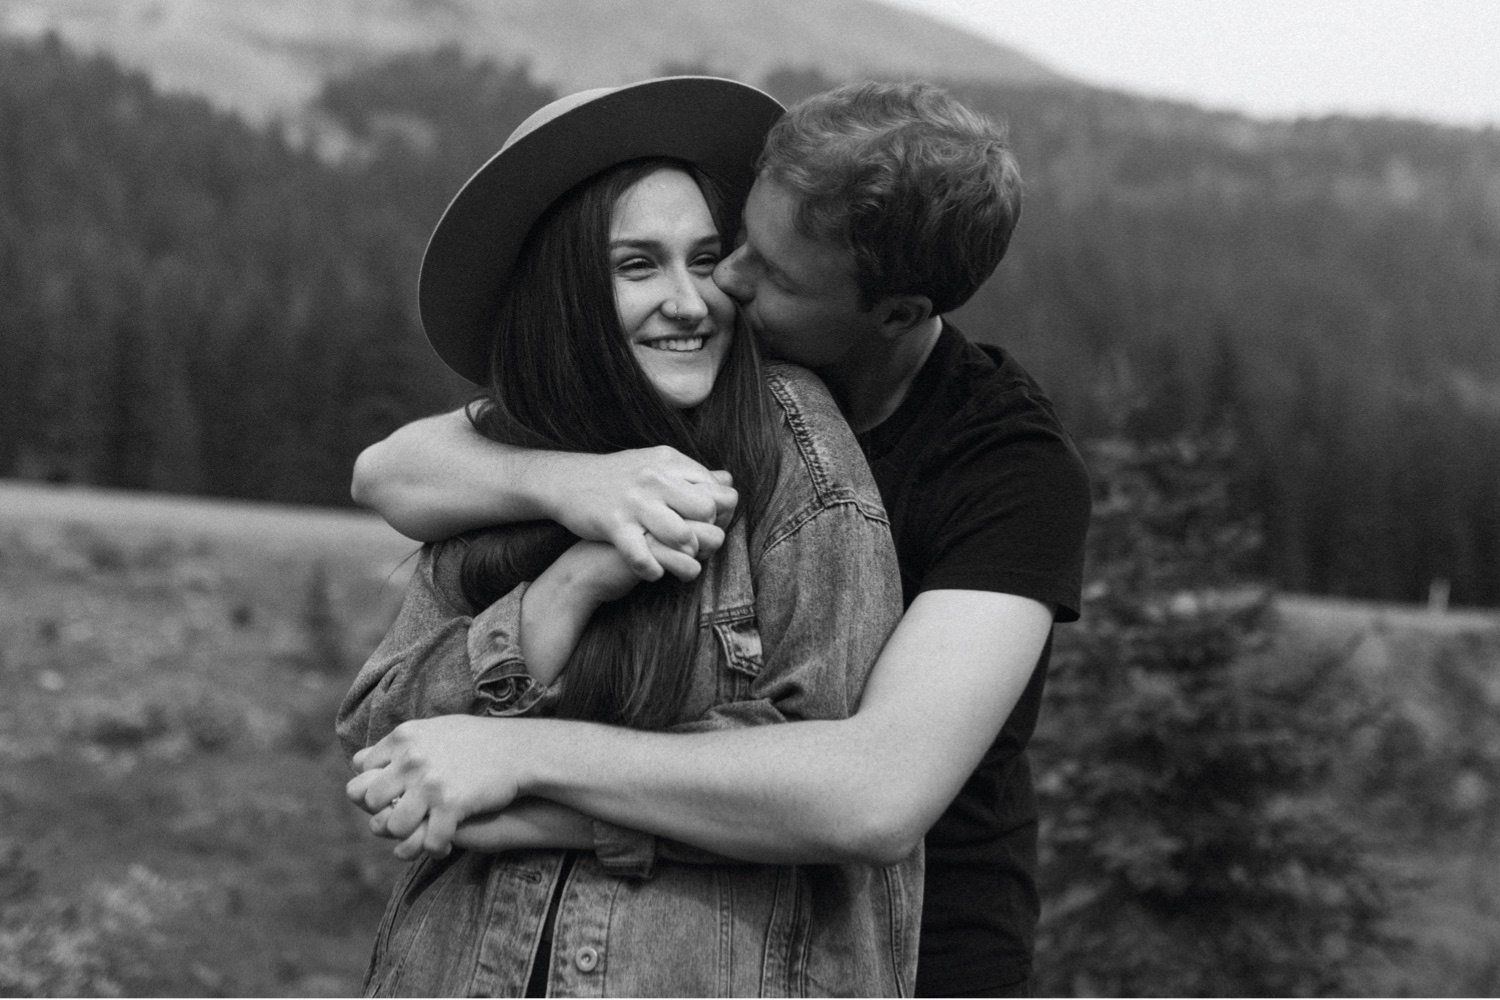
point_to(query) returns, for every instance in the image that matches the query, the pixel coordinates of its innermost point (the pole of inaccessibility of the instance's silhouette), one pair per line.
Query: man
(877, 209)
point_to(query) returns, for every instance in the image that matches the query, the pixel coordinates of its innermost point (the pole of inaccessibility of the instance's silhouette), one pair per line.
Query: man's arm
(438, 476)
(864, 788)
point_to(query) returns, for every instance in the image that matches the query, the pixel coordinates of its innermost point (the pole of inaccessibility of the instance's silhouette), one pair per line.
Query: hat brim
(717, 125)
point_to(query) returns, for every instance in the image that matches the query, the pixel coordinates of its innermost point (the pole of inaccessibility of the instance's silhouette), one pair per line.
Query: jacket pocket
(738, 637)
(405, 895)
(427, 944)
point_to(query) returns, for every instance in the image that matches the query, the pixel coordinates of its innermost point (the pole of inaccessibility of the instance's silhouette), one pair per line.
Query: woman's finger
(412, 845)
(679, 564)
(726, 499)
(710, 538)
(698, 501)
(440, 828)
(372, 791)
(378, 823)
(372, 757)
(407, 814)
(633, 548)
(667, 526)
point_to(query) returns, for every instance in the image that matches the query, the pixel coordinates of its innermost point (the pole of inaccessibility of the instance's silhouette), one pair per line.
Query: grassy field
(171, 810)
(1420, 775)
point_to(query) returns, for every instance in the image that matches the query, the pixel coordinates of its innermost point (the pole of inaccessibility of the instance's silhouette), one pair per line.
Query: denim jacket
(794, 623)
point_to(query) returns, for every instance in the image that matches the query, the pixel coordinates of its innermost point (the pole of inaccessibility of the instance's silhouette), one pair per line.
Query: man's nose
(730, 276)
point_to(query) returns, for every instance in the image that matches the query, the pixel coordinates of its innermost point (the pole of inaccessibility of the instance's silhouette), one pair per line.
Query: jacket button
(586, 959)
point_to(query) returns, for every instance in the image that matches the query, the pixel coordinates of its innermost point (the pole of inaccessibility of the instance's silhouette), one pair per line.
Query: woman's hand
(527, 824)
(558, 605)
(647, 503)
(429, 775)
(597, 572)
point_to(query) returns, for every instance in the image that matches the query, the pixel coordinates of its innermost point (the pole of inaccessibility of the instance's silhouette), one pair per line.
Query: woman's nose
(686, 303)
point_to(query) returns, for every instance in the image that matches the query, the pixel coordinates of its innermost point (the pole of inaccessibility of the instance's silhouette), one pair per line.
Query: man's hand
(639, 501)
(437, 477)
(429, 775)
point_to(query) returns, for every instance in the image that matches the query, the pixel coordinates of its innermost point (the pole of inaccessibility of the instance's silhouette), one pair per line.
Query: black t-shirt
(985, 491)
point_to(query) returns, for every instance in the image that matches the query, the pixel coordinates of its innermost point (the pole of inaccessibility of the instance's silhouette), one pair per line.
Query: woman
(574, 274)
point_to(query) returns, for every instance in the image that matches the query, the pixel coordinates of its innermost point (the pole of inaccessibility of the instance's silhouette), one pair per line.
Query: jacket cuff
(502, 684)
(622, 852)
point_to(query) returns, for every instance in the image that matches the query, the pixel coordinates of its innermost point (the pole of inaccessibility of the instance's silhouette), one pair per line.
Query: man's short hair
(921, 189)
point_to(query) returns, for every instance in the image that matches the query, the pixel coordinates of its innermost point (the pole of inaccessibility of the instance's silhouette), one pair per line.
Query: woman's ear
(900, 314)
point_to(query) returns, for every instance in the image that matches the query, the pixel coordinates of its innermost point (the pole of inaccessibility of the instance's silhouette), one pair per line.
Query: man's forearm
(864, 788)
(794, 793)
(436, 477)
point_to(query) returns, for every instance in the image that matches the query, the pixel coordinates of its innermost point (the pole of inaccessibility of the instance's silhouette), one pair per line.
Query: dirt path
(1333, 615)
(132, 516)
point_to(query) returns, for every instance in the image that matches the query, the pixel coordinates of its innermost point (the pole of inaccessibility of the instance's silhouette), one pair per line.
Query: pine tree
(1184, 846)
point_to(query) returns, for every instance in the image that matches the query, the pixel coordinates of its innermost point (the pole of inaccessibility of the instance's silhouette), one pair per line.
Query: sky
(1432, 59)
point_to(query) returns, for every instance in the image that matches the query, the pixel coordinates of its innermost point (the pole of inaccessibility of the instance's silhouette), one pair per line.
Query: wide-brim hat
(718, 125)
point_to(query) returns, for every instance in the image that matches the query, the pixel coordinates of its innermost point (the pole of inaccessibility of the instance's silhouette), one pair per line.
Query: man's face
(797, 295)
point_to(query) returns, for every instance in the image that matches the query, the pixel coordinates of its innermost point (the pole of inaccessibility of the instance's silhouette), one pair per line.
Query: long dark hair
(564, 378)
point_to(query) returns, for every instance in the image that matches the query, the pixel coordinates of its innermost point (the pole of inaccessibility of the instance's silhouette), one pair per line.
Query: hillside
(192, 304)
(269, 59)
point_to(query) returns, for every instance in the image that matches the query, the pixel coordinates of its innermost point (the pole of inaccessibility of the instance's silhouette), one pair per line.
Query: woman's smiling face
(663, 248)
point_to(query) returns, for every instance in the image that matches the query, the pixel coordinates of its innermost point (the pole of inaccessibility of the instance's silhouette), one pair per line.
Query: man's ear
(901, 314)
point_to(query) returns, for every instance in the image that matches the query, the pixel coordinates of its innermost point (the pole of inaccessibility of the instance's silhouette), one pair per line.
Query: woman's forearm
(553, 618)
(529, 823)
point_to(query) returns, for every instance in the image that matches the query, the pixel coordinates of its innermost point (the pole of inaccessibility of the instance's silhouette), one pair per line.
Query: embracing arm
(438, 476)
(825, 599)
(865, 788)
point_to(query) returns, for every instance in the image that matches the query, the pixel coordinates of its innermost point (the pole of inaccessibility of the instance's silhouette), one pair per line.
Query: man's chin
(767, 347)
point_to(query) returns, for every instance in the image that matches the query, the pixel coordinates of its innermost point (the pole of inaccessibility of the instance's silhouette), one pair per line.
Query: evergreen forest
(192, 304)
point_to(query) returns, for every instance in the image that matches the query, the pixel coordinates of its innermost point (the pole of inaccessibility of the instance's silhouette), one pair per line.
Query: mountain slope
(268, 58)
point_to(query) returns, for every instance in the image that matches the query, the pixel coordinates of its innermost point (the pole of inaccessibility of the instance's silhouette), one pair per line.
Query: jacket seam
(801, 435)
(791, 525)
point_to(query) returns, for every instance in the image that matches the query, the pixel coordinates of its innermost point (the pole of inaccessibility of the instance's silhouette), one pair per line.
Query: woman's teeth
(677, 344)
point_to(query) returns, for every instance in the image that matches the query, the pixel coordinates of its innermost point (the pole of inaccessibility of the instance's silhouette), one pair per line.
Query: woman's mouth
(677, 345)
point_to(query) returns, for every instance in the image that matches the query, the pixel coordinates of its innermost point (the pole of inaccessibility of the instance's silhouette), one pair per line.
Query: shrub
(1185, 848)
(326, 651)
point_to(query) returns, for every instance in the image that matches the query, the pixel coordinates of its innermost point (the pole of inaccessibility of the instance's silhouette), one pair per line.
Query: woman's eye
(707, 261)
(633, 265)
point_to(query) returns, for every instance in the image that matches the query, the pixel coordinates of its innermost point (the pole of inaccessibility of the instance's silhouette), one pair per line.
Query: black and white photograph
(733, 498)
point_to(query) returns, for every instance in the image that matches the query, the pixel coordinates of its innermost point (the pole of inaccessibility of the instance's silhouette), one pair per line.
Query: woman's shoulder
(798, 388)
(807, 407)
(820, 459)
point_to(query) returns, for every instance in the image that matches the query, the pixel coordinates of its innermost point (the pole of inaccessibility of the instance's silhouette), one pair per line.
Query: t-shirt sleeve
(1009, 510)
